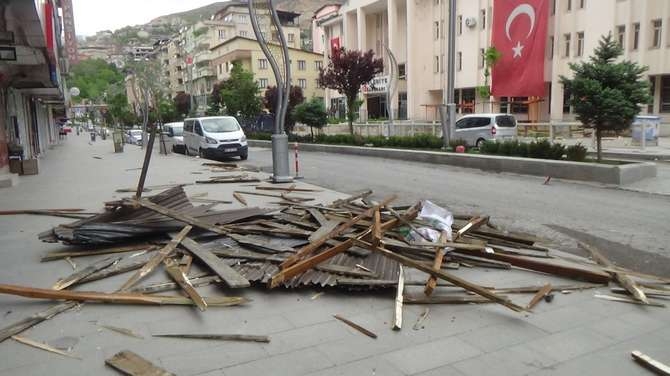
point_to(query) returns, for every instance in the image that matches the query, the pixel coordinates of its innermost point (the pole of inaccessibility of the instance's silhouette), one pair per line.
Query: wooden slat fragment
(85, 272)
(129, 363)
(34, 319)
(43, 346)
(167, 286)
(437, 264)
(421, 319)
(51, 256)
(318, 216)
(376, 227)
(626, 300)
(448, 299)
(156, 259)
(229, 275)
(195, 222)
(172, 267)
(124, 331)
(546, 289)
(356, 326)
(624, 280)
(651, 364)
(397, 318)
(219, 337)
(239, 198)
(118, 268)
(472, 225)
(292, 198)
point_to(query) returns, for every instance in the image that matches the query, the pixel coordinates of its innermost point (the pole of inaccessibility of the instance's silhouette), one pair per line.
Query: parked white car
(134, 136)
(175, 133)
(476, 128)
(215, 136)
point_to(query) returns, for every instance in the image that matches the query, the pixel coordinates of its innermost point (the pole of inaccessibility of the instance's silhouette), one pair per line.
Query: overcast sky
(92, 16)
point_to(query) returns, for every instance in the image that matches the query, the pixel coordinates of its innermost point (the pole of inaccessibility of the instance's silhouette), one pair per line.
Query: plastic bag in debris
(437, 217)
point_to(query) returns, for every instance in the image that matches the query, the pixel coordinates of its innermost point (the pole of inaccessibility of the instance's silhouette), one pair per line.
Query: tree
(312, 113)
(491, 57)
(295, 98)
(182, 103)
(93, 78)
(606, 94)
(239, 94)
(346, 72)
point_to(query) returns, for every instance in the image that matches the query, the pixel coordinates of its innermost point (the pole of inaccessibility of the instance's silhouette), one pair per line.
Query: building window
(567, 96)
(291, 37)
(459, 24)
(582, 3)
(436, 64)
(316, 83)
(302, 65)
(482, 18)
(656, 33)
(481, 58)
(636, 35)
(318, 65)
(569, 8)
(580, 43)
(550, 47)
(436, 30)
(222, 34)
(302, 83)
(652, 92)
(566, 42)
(553, 7)
(442, 29)
(262, 64)
(459, 61)
(241, 18)
(519, 105)
(665, 94)
(180, 81)
(243, 33)
(263, 83)
(401, 71)
(621, 35)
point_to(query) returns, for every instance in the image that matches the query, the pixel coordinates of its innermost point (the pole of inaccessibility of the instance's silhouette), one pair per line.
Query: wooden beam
(219, 337)
(229, 275)
(85, 272)
(447, 299)
(437, 264)
(397, 318)
(445, 276)
(129, 363)
(195, 222)
(172, 267)
(156, 259)
(651, 364)
(544, 291)
(624, 280)
(376, 227)
(356, 326)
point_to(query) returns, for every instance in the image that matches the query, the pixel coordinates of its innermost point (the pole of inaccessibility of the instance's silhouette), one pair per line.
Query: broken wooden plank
(289, 189)
(318, 216)
(376, 227)
(43, 346)
(326, 228)
(129, 363)
(397, 317)
(653, 294)
(219, 337)
(349, 199)
(195, 222)
(445, 276)
(51, 256)
(167, 286)
(437, 264)
(546, 289)
(185, 263)
(626, 300)
(85, 272)
(472, 225)
(624, 280)
(156, 259)
(34, 319)
(421, 319)
(119, 298)
(292, 198)
(115, 269)
(356, 326)
(229, 275)
(239, 198)
(172, 267)
(124, 331)
(447, 299)
(346, 270)
(649, 363)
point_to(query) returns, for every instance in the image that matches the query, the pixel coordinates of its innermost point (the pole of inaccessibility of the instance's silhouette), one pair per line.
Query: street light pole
(448, 109)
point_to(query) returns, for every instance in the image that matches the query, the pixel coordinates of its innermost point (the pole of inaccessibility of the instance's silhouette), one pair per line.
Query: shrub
(489, 147)
(576, 153)
(557, 151)
(539, 149)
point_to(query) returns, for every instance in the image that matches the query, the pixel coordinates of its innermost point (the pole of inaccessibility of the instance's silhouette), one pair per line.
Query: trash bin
(93, 136)
(117, 137)
(645, 130)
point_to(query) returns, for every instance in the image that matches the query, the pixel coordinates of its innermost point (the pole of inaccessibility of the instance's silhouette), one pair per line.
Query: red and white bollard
(297, 163)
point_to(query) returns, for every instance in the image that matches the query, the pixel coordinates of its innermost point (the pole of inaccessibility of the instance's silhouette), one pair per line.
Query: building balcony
(202, 58)
(203, 72)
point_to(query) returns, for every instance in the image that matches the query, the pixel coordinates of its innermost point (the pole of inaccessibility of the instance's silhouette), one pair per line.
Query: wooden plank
(34, 319)
(651, 364)
(239, 198)
(43, 346)
(624, 280)
(445, 276)
(172, 267)
(124, 331)
(185, 263)
(318, 216)
(447, 299)
(118, 268)
(472, 225)
(329, 226)
(229, 275)
(627, 300)
(129, 363)
(219, 337)
(85, 272)
(356, 326)
(204, 280)
(119, 298)
(349, 199)
(292, 198)
(437, 264)
(289, 189)
(156, 259)
(544, 291)
(195, 222)
(397, 318)
(339, 230)
(376, 227)
(51, 256)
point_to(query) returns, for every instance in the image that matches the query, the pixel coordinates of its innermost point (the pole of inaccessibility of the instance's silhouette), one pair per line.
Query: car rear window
(506, 121)
(177, 131)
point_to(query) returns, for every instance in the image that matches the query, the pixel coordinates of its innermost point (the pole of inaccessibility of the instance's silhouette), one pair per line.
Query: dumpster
(92, 133)
(645, 130)
(117, 137)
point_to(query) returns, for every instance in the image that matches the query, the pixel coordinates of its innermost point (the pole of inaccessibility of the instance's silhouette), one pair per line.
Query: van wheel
(479, 142)
(201, 153)
(244, 157)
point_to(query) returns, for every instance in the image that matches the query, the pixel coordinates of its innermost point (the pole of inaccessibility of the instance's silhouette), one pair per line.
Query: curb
(593, 172)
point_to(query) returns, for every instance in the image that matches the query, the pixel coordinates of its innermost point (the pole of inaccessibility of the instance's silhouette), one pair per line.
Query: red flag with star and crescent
(520, 35)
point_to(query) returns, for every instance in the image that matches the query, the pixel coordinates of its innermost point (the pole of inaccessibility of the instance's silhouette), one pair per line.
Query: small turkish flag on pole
(334, 45)
(520, 34)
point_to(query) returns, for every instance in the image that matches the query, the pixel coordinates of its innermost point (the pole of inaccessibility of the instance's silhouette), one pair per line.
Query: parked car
(175, 133)
(216, 136)
(476, 128)
(134, 137)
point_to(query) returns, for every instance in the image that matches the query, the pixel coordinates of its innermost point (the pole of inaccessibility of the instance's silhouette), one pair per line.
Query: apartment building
(417, 31)
(246, 51)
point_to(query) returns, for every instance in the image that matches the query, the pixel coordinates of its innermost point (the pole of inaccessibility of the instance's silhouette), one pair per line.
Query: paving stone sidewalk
(575, 334)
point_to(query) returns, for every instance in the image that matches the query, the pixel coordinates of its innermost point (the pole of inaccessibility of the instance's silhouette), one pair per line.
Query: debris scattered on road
(356, 326)
(124, 331)
(129, 363)
(219, 337)
(43, 346)
(651, 364)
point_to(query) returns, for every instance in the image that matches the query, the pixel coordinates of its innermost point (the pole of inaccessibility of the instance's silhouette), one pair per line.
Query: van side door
(188, 134)
(199, 135)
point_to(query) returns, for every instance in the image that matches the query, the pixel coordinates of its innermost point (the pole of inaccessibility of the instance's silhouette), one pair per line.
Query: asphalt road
(632, 228)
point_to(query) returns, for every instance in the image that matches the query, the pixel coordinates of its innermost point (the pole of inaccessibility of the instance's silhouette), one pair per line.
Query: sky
(91, 16)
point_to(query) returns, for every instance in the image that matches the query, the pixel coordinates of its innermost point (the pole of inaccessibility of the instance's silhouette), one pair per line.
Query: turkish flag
(519, 34)
(334, 45)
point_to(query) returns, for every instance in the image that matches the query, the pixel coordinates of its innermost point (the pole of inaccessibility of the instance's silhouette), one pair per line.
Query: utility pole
(448, 108)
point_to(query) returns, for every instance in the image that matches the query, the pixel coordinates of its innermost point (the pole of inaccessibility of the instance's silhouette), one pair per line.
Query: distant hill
(305, 7)
(190, 17)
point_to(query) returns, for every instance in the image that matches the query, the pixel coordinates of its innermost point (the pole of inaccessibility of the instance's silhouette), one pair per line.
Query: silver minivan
(476, 128)
(215, 136)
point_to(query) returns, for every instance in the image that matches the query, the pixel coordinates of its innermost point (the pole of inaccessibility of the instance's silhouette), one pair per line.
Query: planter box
(29, 167)
(15, 166)
(601, 173)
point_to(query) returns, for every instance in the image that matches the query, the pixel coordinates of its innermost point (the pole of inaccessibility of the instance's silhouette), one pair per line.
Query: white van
(175, 133)
(476, 128)
(215, 136)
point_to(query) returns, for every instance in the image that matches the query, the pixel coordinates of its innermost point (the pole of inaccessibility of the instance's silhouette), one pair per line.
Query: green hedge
(422, 141)
(535, 149)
